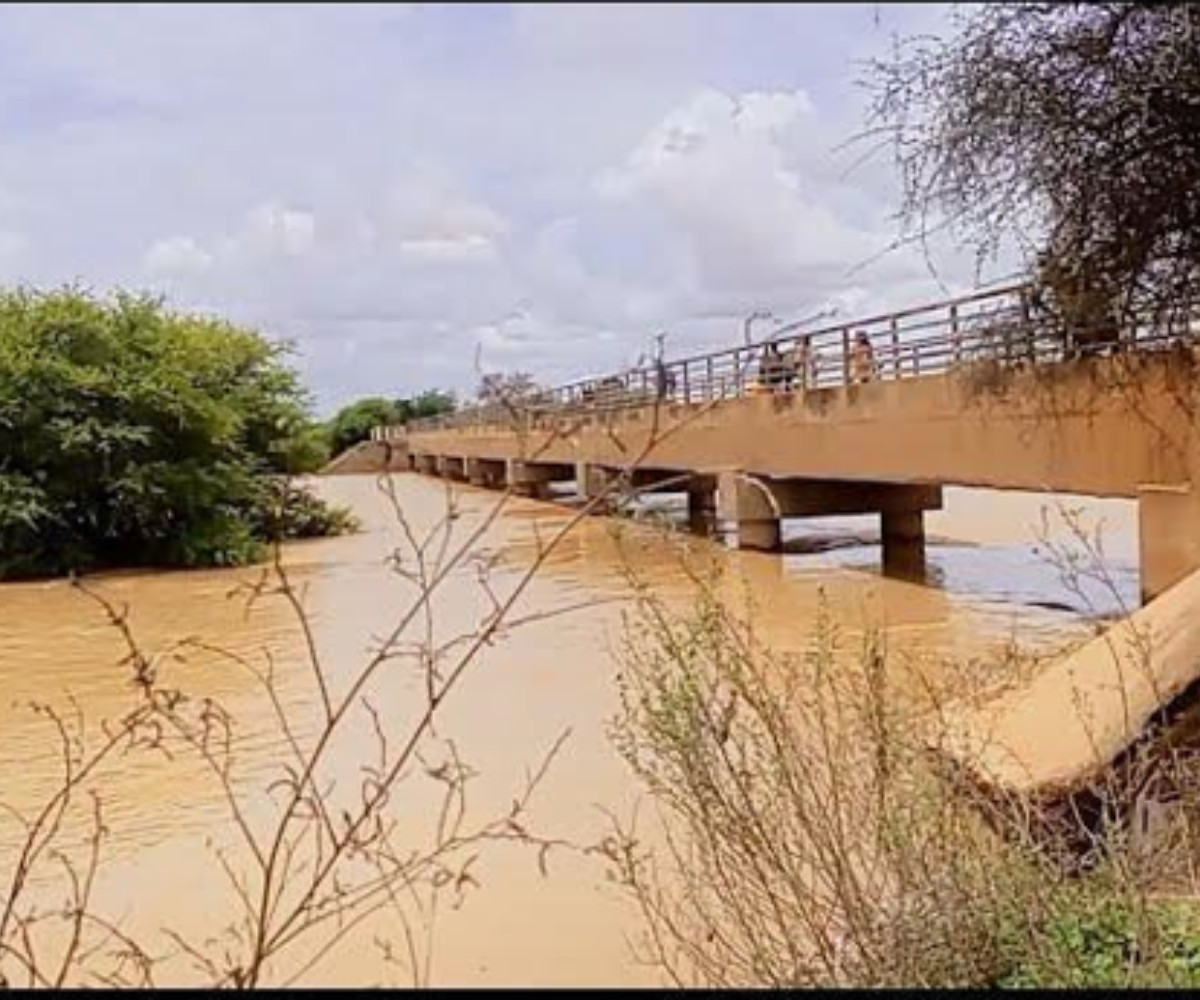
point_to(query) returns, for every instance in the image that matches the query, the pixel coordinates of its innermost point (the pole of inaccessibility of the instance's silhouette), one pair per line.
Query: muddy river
(992, 583)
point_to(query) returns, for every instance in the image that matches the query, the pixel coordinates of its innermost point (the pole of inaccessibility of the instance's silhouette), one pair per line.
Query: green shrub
(132, 435)
(1103, 940)
(802, 837)
(293, 512)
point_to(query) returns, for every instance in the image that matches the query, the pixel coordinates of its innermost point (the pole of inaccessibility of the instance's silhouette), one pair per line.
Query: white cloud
(350, 174)
(465, 248)
(607, 35)
(431, 219)
(12, 250)
(725, 174)
(274, 230)
(176, 256)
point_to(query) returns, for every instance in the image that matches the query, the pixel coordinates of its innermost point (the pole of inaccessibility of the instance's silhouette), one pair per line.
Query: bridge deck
(980, 391)
(1103, 426)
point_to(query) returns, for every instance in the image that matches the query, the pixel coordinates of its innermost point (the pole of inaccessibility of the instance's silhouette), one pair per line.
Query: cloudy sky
(405, 189)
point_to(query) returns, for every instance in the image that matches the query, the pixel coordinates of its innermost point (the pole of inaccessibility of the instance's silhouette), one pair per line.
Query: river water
(991, 585)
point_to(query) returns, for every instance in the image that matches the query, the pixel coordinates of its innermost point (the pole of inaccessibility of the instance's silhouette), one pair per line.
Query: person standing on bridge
(771, 366)
(804, 363)
(664, 378)
(862, 359)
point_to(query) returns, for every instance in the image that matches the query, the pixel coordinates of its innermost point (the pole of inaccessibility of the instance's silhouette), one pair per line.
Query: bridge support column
(903, 537)
(1169, 536)
(533, 479)
(750, 503)
(593, 481)
(758, 503)
(702, 506)
(451, 467)
(486, 473)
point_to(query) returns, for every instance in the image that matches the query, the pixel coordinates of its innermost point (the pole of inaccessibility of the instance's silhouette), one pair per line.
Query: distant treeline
(353, 423)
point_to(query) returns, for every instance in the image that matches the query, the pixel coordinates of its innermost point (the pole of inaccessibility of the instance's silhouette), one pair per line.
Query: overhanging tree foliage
(1073, 125)
(131, 435)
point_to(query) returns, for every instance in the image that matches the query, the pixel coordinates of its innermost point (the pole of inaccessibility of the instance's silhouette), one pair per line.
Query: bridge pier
(452, 467)
(751, 503)
(757, 504)
(594, 481)
(902, 534)
(533, 479)
(702, 505)
(1168, 536)
(486, 473)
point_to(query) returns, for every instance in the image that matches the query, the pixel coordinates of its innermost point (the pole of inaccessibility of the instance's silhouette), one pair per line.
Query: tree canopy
(353, 422)
(1073, 125)
(430, 403)
(132, 435)
(505, 387)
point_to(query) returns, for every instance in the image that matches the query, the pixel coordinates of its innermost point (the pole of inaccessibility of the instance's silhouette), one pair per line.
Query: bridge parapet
(976, 392)
(1003, 326)
(389, 432)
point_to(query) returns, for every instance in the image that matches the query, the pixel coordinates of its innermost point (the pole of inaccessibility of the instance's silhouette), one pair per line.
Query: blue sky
(412, 191)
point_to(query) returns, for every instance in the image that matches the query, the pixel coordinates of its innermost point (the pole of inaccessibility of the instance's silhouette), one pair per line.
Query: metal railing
(999, 325)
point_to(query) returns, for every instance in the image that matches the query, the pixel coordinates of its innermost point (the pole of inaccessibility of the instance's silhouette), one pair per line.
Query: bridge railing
(388, 432)
(1000, 325)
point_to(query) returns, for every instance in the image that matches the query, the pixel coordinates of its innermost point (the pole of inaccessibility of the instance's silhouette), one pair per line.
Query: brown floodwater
(990, 586)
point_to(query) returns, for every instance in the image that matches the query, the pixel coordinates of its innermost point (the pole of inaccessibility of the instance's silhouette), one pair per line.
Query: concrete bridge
(980, 391)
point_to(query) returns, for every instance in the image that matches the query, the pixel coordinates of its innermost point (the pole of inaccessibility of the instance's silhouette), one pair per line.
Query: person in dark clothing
(771, 366)
(664, 380)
